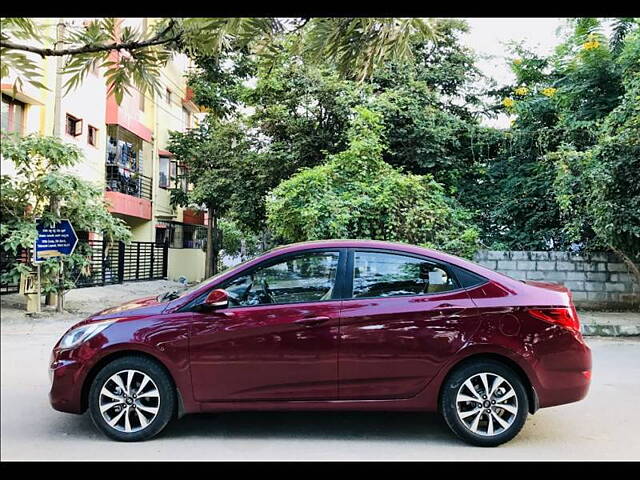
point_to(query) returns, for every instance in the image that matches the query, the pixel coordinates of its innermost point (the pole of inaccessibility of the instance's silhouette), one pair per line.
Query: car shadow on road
(370, 426)
(402, 426)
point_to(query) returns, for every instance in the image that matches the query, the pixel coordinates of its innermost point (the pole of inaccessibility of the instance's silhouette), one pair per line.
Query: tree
(560, 103)
(26, 196)
(211, 153)
(303, 110)
(599, 188)
(355, 45)
(355, 194)
(300, 112)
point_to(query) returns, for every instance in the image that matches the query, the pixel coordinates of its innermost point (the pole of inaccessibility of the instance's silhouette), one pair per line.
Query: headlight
(82, 334)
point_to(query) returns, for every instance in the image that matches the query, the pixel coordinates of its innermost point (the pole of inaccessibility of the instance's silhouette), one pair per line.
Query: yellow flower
(549, 92)
(591, 45)
(522, 91)
(517, 61)
(508, 102)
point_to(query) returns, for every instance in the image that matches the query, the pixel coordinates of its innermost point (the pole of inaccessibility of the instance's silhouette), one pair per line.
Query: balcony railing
(122, 180)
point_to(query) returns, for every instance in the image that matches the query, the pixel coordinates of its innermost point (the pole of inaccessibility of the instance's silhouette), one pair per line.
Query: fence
(108, 263)
(596, 280)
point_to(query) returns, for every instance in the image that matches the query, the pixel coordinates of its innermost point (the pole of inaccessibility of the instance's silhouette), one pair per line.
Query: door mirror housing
(217, 298)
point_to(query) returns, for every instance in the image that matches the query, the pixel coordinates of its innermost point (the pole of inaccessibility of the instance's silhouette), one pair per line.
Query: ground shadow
(370, 426)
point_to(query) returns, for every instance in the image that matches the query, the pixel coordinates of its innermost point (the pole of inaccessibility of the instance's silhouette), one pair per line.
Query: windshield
(173, 294)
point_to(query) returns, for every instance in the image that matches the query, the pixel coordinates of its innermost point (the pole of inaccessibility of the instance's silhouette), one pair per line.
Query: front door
(278, 338)
(405, 318)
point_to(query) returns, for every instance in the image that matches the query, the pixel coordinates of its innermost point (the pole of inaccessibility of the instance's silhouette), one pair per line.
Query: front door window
(308, 277)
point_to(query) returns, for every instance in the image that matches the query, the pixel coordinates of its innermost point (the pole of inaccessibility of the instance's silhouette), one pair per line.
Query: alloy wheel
(487, 404)
(129, 401)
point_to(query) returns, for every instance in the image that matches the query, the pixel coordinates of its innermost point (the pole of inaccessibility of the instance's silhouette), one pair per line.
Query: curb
(596, 330)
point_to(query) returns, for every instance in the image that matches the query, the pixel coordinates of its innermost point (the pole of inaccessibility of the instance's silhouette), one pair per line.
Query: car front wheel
(131, 399)
(485, 403)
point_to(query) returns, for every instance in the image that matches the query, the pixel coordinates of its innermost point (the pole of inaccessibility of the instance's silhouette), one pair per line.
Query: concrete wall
(186, 262)
(599, 280)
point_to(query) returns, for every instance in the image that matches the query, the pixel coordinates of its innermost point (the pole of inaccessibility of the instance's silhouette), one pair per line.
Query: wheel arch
(532, 396)
(100, 364)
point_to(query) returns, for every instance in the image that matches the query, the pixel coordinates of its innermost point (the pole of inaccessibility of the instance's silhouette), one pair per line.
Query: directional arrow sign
(54, 241)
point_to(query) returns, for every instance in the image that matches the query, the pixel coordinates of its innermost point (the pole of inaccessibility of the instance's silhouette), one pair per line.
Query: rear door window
(379, 274)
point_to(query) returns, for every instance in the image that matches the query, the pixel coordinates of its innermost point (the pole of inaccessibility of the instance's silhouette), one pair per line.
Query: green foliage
(599, 188)
(355, 45)
(302, 113)
(561, 105)
(218, 81)
(355, 194)
(237, 241)
(358, 45)
(211, 153)
(28, 195)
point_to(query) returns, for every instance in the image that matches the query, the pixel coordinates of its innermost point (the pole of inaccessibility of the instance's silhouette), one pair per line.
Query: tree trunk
(216, 246)
(209, 255)
(633, 268)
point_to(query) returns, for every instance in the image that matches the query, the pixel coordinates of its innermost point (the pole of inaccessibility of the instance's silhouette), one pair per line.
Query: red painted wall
(127, 205)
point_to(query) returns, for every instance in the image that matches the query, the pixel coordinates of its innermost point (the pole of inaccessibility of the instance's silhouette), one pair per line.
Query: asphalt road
(604, 426)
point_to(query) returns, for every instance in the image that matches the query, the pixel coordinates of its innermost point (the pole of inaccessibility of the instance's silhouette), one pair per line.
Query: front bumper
(67, 376)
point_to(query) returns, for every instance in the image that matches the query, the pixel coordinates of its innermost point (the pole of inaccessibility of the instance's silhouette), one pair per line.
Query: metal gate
(109, 263)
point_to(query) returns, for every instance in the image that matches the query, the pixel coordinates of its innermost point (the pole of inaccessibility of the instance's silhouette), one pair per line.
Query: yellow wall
(186, 262)
(89, 101)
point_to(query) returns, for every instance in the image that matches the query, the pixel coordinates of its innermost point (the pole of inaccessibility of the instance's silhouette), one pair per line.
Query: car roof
(399, 247)
(379, 244)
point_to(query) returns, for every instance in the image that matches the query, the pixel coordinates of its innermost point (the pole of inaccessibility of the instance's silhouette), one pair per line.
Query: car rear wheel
(131, 399)
(485, 403)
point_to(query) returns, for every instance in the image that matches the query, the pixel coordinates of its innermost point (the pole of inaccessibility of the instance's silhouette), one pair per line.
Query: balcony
(129, 193)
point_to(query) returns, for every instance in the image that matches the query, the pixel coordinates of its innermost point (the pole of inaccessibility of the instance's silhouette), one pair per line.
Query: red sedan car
(341, 325)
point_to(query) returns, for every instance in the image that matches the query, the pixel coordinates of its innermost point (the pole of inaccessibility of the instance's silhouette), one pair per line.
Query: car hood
(139, 307)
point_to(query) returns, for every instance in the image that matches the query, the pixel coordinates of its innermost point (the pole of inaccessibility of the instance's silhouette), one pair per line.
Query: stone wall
(598, 280)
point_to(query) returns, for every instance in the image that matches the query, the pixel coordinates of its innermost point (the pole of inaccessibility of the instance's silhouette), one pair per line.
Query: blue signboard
(54, 241)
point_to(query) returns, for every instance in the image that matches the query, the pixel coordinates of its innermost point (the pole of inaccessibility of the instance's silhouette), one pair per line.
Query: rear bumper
(564, 376)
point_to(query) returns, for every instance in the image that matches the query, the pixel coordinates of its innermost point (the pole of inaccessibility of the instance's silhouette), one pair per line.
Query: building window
(12, 115)
(164, 172)
(141, 93)
(181, 235)
(74, 126)
(92, 135)
(178, 175)
(186, 118)
(168, 96)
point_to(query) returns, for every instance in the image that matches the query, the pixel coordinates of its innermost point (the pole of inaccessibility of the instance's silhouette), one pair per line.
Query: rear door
(406, 316)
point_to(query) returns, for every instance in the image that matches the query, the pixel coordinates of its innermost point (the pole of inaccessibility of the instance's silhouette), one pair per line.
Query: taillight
(566, 317)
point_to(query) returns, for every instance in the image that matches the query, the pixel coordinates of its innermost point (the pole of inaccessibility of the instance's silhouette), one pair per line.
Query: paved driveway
(602, 427)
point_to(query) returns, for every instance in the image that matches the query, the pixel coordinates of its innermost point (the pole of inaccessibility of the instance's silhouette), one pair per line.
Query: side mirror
(217, 298)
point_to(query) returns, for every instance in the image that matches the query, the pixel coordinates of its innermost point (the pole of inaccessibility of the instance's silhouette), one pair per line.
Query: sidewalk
(609, 324)
(78, 304)
(82, 302)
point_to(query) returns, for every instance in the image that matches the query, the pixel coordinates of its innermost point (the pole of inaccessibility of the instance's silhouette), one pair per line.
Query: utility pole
(57, 106)
(58, 298)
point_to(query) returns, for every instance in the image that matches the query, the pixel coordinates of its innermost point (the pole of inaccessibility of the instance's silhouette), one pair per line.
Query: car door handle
(449, 310)
(312, 321)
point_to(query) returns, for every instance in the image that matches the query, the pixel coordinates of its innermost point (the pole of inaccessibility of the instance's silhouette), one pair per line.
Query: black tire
(167, 398)
(449, 410)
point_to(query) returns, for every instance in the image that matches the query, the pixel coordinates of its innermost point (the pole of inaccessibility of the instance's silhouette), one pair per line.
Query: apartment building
(125, 147)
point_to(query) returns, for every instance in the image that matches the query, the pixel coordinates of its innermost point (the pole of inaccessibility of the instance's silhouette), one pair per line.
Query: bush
(355, 194)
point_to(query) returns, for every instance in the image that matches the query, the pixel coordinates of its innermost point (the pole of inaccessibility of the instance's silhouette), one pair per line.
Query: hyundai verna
(331, 325)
